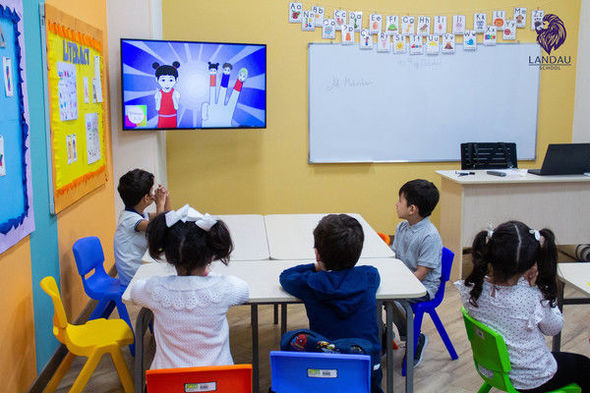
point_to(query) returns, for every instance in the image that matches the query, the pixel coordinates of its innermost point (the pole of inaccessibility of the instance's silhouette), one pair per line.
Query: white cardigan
(190, 326)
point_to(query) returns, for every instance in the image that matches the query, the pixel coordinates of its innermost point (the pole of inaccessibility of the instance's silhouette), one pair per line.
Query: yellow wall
(17, 346)
(94, 214)
(266, 171)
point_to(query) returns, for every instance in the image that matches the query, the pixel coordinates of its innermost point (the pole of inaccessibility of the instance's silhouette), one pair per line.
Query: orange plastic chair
(92, 340)
(218, 379)
(384, 237)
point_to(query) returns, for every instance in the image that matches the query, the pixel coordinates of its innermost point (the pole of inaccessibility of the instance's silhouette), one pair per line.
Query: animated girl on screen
(167, 98)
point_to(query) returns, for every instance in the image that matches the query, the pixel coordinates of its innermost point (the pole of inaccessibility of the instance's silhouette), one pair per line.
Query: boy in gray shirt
(418, 244)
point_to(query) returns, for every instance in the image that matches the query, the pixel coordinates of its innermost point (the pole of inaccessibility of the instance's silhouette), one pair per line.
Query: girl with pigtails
(190, 324)
(513, 290)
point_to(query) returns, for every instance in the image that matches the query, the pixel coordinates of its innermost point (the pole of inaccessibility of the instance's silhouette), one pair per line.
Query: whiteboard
(366, 106)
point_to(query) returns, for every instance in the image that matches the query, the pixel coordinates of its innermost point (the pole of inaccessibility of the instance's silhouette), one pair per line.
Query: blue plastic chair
(430, 307)
(303, 372)
(99, 286)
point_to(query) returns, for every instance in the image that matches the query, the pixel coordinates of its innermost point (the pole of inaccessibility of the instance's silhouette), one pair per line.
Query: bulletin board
(16, 196)
(75, 77)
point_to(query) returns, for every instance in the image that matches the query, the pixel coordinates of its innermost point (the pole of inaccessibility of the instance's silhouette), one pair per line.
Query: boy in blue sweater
(340, 299)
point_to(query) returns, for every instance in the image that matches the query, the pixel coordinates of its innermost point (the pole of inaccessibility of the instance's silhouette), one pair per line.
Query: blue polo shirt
(420, 245)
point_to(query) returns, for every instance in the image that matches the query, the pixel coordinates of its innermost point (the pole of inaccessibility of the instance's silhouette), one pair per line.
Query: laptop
(565, 159)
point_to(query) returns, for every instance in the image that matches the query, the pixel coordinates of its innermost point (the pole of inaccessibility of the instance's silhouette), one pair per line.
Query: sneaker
(422, 343)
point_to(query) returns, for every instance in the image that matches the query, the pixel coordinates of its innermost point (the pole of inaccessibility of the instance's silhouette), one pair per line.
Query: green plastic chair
(489, 351)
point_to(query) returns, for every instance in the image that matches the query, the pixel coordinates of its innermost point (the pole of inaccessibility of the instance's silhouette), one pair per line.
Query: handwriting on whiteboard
(348, 82)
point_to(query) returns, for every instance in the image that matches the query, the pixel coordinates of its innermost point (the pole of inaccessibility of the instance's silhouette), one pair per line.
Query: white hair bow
(187, 213)
(538, 236)
(490, 231)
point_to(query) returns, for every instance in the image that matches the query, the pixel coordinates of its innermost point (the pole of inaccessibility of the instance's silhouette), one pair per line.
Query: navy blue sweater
(339, 304)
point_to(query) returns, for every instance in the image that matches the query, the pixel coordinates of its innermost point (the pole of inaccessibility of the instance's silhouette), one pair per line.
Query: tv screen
(188, 85)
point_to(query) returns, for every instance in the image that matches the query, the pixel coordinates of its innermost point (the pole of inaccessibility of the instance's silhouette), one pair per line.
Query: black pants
(571, 368)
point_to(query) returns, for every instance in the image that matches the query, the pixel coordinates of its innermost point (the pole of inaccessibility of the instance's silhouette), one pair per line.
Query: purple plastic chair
(99, 286)
(430, 307)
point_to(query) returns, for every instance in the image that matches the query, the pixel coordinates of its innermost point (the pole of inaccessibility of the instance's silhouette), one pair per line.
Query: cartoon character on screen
(217, 113)
(167, 98)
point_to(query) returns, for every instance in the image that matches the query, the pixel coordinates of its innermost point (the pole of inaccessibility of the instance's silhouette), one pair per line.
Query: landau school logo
(551, 34)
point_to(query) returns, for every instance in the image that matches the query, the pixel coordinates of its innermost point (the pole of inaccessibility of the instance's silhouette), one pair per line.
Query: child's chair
(93, 339)
(99, 286)
(304, 372)
(220, 379)
(490, 353)
(430, 307)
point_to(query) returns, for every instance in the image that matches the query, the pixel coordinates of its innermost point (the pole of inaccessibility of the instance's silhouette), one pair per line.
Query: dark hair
(339, 240)
(186, 246)
(213, 66)
(227, 65)
(513, 250)
(421, 193)
(134, 185)
(166, 69)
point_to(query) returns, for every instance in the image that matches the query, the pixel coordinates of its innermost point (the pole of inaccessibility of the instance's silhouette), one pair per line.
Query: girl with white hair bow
(190, 324)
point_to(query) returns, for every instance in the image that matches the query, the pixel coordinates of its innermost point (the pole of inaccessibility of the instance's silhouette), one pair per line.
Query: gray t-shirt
(420, 245)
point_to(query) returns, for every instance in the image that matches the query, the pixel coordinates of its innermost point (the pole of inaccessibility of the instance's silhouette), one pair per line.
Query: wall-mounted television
(192, 85)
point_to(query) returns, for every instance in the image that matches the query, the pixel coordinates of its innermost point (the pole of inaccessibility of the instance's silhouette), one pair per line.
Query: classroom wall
(581, 131)
(132, 149)
(266, 171)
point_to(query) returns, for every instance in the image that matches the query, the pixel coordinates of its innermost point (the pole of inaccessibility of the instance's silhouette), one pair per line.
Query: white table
(397, 283)
(576, 274)
(469, 203)
(290, 236)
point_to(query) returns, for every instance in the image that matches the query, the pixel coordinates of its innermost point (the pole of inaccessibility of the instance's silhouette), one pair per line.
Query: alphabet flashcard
(295, 9)
(329, 29)
(318, 13)
(489, 37)
(366, 40)
(347, 34)
(448, 43)
(355, 19)
(537, 19)
(509, 30)
(392, 24)
(432, 44)
(399, 44)
(383, 42)
(416, 45)
(308, 22)
(340, 18)
(499, 18)
(408, 23)
(423, 26)
(458, 24)
(480, 22)
(440, 25)
(469, 40)
(375, 23)
(520, 16)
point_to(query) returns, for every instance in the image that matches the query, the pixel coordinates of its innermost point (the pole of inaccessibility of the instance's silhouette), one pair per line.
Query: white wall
(581, 132)
(132, 149)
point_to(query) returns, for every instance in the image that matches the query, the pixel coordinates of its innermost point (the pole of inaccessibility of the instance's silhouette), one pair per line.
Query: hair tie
(538, 237)
(187, 213)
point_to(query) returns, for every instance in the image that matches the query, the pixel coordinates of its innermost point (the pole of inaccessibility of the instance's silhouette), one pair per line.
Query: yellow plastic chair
(93, 339)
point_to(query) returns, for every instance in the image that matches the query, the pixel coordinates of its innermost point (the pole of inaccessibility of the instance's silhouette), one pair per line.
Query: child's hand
(531, 275)
(161, 195)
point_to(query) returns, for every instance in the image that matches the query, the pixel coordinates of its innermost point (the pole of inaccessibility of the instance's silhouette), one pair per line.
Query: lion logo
(552, 36)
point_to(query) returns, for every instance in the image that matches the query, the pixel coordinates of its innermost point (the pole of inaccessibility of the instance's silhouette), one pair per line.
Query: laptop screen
(567, 159)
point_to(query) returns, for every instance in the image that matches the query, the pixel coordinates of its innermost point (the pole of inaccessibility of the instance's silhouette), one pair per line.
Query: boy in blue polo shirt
(418, 244)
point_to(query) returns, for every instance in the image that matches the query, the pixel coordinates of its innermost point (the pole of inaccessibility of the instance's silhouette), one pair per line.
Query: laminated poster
(399, 44)
(440, 25)
(347, 34)
(340, 18)
(537, 19)
(2, 159)
(470, 40)
(67, 91)
(356, 20)
(329, 29)
(295, 9)
(86, 91)
(509, 31)
(416, 45)
(383, 42)
(93, 153)
(432, 44)
(423, 26)
(308, 22)
(489, 38)
(392, 24)
(366, 41)
(448, 43)
(318, 14)
(499, 19)
(8, 79)
(408, 23)
(480, 22)
(458, 24)
(97, 82)
(520, 16)
(375, 23)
